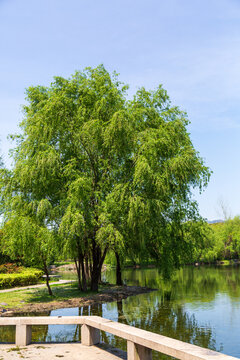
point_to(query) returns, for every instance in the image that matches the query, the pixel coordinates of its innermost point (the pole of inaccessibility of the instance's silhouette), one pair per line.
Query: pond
(200, 305)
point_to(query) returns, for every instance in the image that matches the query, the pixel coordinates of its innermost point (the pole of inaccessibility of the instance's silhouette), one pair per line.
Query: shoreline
(112, 293)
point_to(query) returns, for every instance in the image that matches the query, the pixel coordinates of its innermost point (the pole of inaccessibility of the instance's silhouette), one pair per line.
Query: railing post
(138, 352)
(23, 335)
(89, 335)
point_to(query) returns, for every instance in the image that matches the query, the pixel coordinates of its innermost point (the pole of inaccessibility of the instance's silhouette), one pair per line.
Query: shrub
(10, 268)
(28, 276)
(4, 258)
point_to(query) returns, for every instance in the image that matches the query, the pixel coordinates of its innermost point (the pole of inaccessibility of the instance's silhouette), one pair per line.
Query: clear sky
(191, 47)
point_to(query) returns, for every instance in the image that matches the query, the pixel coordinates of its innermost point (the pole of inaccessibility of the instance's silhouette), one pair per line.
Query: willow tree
(29, 241)
(115, 173)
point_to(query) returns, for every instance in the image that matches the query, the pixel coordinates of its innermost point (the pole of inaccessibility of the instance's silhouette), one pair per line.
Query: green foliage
(3, 257)
(227, 239)
(1, 175)
(33, 245)
(220, 241)
(94, 171)
(25, 277)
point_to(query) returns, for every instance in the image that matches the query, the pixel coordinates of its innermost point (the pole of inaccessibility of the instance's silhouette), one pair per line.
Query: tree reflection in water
(163, 311)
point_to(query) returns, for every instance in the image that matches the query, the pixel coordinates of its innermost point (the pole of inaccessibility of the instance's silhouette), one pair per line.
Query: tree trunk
(118, 270)
(87, 269)
(95, 274)
(98, 259)
(77, 264)
(95, 263)
(90, 267)
(84, 283)
(47, 279)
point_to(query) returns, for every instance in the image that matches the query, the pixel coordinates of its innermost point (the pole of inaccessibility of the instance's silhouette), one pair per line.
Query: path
(36, 286)
(74, 351)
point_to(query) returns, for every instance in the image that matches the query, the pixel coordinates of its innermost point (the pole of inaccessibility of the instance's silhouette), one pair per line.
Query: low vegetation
(21, 277)
(10, 268)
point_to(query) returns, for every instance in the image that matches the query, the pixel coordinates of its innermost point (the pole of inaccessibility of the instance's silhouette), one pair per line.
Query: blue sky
(191, 47)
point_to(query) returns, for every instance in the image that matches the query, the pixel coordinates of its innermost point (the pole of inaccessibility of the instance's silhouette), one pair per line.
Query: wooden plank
(42, 320)
(163, 344)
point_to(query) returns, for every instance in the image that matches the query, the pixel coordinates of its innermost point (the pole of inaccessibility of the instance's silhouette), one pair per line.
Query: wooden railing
(140, 343)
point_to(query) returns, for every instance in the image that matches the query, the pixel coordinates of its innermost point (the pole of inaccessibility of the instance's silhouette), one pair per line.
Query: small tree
(26, 236)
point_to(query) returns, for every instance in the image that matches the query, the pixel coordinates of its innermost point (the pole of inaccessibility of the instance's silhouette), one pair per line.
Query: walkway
(35, 286)
(140, 343)
(55, 351)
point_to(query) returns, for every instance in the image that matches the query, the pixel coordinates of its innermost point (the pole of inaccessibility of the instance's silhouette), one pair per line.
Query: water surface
(199, 305)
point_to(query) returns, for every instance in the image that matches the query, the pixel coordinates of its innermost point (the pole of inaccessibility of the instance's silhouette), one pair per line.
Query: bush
(27, 276)
(4, 258)
(10, 268)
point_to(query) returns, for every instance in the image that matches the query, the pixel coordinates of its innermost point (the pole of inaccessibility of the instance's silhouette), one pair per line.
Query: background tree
(1, 175)
(3, 257)
(226, 239)
(108, 173)
(223, 209)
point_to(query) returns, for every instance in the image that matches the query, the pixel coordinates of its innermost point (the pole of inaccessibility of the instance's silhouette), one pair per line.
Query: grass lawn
(19, 298)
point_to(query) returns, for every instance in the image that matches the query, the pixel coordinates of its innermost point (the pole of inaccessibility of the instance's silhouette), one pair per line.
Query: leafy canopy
(97, 171)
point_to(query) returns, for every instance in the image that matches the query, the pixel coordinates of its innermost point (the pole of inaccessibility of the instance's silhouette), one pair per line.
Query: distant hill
(215, 221)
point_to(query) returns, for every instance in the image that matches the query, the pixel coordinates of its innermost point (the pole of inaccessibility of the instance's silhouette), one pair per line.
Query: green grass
(17, 348)
(19, 298)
